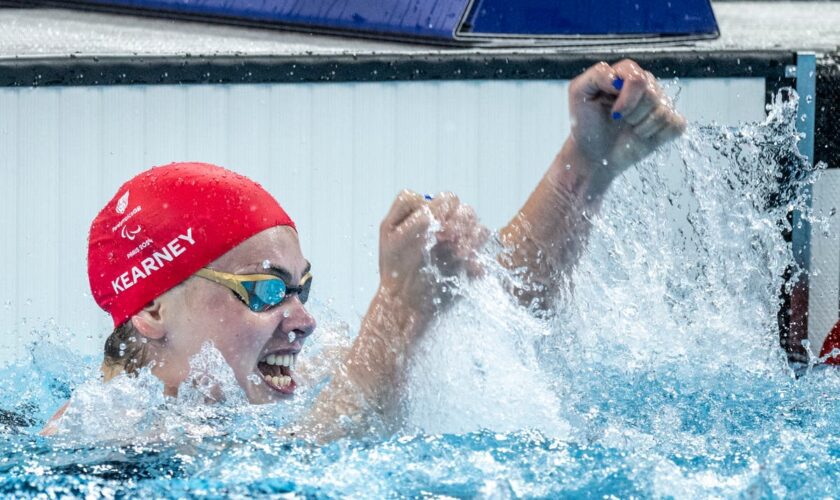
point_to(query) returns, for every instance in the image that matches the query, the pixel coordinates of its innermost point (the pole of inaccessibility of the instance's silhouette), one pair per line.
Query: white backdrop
(824, 297)
(334, 154)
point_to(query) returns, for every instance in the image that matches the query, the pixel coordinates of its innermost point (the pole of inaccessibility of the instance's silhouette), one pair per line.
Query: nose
(297, 319)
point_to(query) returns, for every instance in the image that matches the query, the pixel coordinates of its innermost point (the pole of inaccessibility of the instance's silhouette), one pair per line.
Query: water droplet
(568, 166)
(292, 336)
(604, 162)
(286, 313)
(266, 264)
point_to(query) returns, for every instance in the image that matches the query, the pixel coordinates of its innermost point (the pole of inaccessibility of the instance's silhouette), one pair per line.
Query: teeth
(281, 381)
(287, 360)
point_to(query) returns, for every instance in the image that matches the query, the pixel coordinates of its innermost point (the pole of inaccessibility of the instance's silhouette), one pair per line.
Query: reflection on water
(661, 374)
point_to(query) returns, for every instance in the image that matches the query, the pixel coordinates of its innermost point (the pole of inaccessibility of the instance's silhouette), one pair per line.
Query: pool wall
(334, 138)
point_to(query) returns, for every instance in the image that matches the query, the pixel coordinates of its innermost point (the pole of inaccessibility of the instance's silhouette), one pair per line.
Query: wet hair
(125, 351)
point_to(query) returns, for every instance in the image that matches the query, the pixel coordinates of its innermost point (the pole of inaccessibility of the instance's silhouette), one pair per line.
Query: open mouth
(276, 370)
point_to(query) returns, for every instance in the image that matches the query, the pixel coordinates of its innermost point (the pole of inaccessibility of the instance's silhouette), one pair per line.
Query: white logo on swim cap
(122, 203)
(129, 234)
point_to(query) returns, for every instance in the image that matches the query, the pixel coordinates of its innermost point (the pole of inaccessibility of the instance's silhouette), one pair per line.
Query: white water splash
(681, 278)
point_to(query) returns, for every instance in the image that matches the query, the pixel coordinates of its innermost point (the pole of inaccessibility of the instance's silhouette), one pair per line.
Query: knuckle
(627, 65)
(423, 219)
(402, 197)
(662, 113)
(601, 67)
(636, 80)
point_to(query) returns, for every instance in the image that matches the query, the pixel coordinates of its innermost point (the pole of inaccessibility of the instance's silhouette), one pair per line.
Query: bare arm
(544, 238)
(364, 394)
(619, 115)
(52, 424)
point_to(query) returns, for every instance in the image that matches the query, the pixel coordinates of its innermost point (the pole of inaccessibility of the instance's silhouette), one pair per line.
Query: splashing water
(660, 375)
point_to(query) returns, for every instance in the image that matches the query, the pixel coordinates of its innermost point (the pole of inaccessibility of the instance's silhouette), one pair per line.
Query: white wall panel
(334, 154)
(10, 313)
(166, 127)
(78, 166)
(824, 296)
(39, 210)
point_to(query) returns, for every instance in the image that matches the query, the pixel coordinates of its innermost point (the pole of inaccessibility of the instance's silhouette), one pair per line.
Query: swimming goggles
(260, 292)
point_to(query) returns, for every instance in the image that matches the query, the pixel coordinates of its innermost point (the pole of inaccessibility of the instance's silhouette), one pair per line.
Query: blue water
(661, 376)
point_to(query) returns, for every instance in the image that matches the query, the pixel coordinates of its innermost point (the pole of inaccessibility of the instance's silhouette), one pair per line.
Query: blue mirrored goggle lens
(265, 294)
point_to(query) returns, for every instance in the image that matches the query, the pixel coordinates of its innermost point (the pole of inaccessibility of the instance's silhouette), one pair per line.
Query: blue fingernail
(428, 197)
(616, 115)
(618, 83)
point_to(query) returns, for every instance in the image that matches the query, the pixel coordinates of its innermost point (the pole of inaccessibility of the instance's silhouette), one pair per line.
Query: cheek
(209, 316)
(241, 335)
(236, 332)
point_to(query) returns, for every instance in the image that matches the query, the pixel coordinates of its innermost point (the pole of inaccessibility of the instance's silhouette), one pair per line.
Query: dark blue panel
(440, 20)
(602, 17)
(412, 18)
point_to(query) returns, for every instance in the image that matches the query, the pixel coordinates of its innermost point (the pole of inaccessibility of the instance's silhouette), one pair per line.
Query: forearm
(545, 238)
(377, 361)
(364, 393)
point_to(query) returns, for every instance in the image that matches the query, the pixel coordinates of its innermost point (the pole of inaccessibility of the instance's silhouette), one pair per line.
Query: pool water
(660, 376)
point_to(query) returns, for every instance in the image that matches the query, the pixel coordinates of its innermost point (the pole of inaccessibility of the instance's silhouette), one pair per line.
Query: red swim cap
(167, 223)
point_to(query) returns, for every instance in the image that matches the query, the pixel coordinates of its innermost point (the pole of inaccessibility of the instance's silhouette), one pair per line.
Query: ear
(149, 322)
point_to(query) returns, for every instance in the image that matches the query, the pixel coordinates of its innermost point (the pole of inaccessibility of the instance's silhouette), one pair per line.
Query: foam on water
(660, 375)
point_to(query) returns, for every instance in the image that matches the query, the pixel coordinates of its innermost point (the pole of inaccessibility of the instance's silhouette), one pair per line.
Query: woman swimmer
(189, 253)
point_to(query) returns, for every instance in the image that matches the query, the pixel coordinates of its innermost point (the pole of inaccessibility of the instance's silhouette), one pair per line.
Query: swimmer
(189, 253)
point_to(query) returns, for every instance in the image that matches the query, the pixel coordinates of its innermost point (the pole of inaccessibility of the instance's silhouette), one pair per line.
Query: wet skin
(180, 321)
(612, 128)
